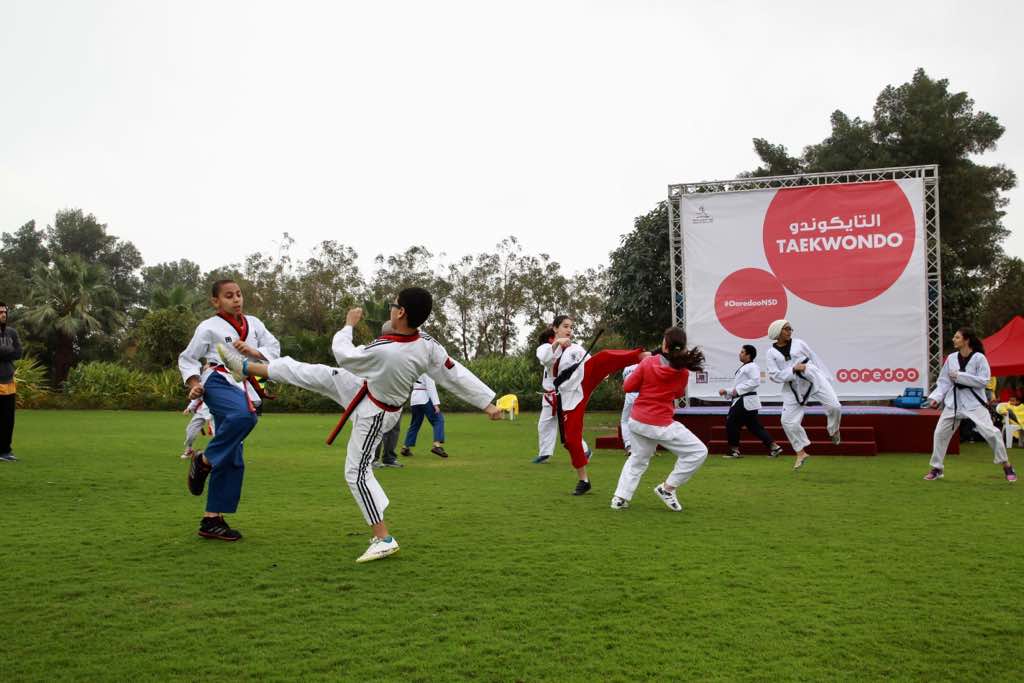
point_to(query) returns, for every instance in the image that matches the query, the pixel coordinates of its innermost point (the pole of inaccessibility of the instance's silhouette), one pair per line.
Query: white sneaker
(379, 549)
(669, 499)
(233, 361)
(619, 503)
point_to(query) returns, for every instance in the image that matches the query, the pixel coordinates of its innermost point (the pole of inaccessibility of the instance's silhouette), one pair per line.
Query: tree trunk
(62, 359)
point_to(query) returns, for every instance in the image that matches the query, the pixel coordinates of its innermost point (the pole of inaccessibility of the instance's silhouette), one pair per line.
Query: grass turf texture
(852, 569)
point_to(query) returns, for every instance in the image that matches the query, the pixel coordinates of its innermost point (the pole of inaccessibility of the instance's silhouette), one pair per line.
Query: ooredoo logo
(839, 245)
(748, 301)
(864, 375)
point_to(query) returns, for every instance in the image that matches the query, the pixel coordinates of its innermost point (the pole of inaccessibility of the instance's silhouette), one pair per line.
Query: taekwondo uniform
(627, 407)
(964, 397)
(422, 402)
(200, 416)
(547, 423)
(744, 406)
(373, 382)
(813, 384)
(233, 404)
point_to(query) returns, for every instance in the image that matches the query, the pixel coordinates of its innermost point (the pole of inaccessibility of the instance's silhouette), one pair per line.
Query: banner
(845, 264)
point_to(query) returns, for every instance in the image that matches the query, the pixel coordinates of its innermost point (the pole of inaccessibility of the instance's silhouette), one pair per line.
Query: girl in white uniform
(373, 382)
(627, 407)
(804, 377)
(547, 423)
(961, 390)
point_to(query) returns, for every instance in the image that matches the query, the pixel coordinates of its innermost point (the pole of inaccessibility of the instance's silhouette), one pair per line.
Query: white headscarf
(775, 329)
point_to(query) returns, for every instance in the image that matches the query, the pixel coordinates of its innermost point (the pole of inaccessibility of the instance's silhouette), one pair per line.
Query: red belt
(364, 392)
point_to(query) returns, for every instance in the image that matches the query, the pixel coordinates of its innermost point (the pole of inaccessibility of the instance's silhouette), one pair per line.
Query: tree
(20, 253)
(414, 267)
(639, 290)
(1003, 299)
(71, 300)
(922, 122)
(171, 274)
(163, 333)
(74, 232)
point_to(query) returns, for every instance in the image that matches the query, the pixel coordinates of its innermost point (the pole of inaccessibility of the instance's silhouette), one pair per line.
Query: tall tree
(20, 253)
(638, 285)
(71, 300)
(922, 122)
(74, 232)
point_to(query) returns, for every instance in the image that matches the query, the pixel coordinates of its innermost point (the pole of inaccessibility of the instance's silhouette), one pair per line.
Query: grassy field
(853, 569)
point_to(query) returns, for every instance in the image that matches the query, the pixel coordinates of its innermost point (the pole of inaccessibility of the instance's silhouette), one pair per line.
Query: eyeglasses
(396, 305)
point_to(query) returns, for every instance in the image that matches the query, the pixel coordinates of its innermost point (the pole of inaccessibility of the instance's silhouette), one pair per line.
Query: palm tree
(180, 298)
(70, 300)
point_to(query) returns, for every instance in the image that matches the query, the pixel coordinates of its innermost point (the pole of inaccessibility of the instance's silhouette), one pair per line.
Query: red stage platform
(866, 430)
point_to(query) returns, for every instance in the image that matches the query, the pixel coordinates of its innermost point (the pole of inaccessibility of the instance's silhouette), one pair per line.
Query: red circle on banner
(839, 245)
(748, 301)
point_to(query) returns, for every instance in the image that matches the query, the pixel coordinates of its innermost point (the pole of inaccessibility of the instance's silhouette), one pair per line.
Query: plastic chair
(509, 403)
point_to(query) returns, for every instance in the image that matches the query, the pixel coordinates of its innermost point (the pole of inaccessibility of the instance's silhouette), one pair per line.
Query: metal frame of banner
(933, 266)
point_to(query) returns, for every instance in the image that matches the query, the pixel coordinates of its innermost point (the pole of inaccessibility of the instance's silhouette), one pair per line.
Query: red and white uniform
(651, 424)
(223, 329)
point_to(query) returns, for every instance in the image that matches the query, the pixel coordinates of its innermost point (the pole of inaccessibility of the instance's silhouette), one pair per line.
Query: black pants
(739, 416)
(6, 422)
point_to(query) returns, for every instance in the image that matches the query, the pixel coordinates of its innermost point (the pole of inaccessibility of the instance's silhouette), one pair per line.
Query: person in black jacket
(10, 351)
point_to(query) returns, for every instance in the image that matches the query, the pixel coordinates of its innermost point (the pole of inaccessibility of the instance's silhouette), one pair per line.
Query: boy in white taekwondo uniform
(547, 423)
(804, 377)
(961, 389)
(372, 382)
(232, 403)
(425, 403)
(627, 408)
(745, 405)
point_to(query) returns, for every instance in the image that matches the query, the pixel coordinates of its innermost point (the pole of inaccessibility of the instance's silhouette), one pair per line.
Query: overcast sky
(204, 130)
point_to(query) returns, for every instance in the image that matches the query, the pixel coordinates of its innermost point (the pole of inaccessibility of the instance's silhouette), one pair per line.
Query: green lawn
(852, 569)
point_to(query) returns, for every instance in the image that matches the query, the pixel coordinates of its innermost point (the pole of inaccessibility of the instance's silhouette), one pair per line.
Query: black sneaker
(198, 471)
(733, 453)
(406, 452)
(776, 451)
(8, 457)
(581, 488)
(217, 527)
(390, 463)
(439, 451)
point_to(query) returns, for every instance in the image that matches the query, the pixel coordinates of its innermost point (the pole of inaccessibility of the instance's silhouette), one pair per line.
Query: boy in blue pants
(232, 403)
(425, 403)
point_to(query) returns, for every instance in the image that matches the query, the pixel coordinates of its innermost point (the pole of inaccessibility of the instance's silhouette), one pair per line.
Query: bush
(107, 386)
(33, 386)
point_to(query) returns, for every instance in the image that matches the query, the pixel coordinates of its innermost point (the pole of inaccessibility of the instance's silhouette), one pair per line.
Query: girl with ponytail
(661, 379)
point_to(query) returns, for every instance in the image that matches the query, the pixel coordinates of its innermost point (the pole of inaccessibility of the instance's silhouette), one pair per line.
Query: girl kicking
(804, 377)
(660, 380)
(232, 403)
(961, 390)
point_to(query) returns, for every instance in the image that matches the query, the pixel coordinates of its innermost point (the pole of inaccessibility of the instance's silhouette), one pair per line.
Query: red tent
(1005, 349)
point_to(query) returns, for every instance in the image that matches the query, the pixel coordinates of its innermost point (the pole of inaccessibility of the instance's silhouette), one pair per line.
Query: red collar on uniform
(241, 329)
(402, 338)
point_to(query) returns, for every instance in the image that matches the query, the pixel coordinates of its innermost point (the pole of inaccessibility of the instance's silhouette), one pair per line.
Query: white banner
(845, 264)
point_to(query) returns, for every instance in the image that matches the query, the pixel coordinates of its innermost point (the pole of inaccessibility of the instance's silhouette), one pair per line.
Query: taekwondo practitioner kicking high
(961, 390)
(804, 377)
(231, 401)
(577, 374)
(745, 404)
(661, 379)
(373, 382)
(547, 423)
